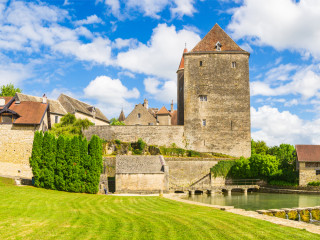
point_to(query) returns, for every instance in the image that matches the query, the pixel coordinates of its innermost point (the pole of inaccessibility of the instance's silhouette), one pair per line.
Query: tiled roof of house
(139, 164)
(215, 35)
(55, 106)
(163, 111)
(174, 117)
(308, 153)
(181, 66)
(6, 100)
(73, 105)
(29, 112)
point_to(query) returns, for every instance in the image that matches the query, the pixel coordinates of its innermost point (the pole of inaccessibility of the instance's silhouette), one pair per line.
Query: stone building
(141, 115)
(308, 163)
(18, 122)
(213, 101)
(164, 116)
(83, 110)
(141, 174)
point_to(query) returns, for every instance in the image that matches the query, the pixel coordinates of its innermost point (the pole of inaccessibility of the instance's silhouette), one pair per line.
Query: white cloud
(183, 7)
(14, 73)
(305, 82)
(284, 24)
(89, 20)
(161, 91)
(114, 6)
(111, 95)
(161, 55)
(275, 127)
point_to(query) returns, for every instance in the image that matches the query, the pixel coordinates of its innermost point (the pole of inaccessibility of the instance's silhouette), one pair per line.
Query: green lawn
(31, 213)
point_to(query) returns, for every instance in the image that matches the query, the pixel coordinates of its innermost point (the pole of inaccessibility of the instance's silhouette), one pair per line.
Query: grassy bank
(31, 213)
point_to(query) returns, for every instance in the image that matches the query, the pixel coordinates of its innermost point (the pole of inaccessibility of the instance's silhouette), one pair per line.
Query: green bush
(66, 164)
(138, 147)
(222, 168)
(281, 183)
(314, 183)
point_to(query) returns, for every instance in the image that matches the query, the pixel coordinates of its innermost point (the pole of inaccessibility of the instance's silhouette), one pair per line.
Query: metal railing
(243, 182)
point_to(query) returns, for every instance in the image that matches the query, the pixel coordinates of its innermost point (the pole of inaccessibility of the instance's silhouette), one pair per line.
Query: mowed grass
(32, 213)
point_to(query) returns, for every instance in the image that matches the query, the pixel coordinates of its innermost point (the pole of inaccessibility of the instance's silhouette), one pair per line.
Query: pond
(258, 201)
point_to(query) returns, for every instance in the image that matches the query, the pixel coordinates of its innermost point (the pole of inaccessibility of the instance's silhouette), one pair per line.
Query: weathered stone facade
(15, 151)
(152, 135)
(308, 172)
(140, 116)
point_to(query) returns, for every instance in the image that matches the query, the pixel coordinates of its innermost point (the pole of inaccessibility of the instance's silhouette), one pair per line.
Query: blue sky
(115, 53)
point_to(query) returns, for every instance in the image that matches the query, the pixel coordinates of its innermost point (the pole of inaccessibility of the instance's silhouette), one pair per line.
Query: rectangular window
(200, 63)
(203, 98)
(6, 119)
(56, 119)
(234, 64)
(317, 172)
(204, 122)
(139, 115)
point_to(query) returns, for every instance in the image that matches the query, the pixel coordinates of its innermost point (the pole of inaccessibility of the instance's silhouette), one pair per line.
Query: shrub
(222, 168)
(282, 183)
(314, 183)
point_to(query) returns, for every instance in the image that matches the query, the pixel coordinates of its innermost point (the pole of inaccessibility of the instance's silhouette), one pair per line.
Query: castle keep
(213, 102)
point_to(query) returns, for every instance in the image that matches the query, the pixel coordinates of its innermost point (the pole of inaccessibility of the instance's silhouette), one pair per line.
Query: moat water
(257, 201)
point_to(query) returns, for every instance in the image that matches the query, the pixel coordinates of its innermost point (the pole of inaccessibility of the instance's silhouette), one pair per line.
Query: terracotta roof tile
(181, 66)
(216, 34)
(308, 153)
(30, 112)
(7, 100)
(163, 111)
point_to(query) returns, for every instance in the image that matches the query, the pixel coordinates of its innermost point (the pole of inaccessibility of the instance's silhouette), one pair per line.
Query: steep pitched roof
(121, 116)
(73, 105)
(55, 106)
(163, 111)
(29, 112)
(181, 66)
(308, 153)
(216, 34)
(6, 100)
(139, 164)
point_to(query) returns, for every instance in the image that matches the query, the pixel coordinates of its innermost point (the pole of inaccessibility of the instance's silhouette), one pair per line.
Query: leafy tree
(48, 159)
(241, 168)
(70, 126)
(60, 164)
(35, 159)
(115, 121)
(9, 90)
(263, 166)
(258, 147)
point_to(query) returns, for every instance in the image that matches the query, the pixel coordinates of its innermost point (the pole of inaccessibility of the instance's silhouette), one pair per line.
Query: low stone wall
(15, 150)
(152, 135)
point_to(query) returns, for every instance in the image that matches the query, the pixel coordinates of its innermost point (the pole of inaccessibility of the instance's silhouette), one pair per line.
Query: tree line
(69, 164)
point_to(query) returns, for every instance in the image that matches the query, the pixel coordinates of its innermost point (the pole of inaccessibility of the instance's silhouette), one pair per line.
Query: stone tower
(214, 96)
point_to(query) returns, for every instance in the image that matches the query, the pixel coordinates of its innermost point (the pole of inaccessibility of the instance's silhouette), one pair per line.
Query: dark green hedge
(66, 164)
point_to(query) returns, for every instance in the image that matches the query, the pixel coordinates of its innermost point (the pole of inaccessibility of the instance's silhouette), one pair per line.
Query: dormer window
(218, 46)
(6, 118)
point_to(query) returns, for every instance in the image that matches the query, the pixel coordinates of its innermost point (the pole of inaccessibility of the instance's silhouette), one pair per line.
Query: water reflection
(256, 201)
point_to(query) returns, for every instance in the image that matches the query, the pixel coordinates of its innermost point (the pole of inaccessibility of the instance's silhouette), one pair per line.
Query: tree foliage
(9, 90)
(70, 126)
(115, 121)
(66, 163)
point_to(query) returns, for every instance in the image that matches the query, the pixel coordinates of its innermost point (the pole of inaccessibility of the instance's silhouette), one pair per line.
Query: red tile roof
(308, 153)
(181, 66)
(30, 112)
(163, 111)
(216, 34)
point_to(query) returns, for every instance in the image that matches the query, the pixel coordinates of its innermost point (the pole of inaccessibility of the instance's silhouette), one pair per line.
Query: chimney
(172, 106)
(2, 102)
(44, 99)
(145, 103)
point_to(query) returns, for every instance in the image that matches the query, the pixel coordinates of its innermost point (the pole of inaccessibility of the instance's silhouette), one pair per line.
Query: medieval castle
(213, 109)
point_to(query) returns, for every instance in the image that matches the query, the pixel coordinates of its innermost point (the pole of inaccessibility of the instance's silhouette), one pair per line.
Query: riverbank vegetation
(276, 165)
(35, 213)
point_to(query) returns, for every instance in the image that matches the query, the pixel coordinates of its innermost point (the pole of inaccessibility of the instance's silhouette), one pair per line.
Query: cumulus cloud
(150, 8)
(161, 55)
(284, 24)
(111, 95)
(275, 127)
(89, 20)
(14, 73)
(304, 81)
(161, 91)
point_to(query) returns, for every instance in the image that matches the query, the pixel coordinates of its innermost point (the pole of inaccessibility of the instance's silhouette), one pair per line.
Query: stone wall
(15, 150)
(307, 174)
(227, 108)
(152, 135)
(184, 172)
(140, 182)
